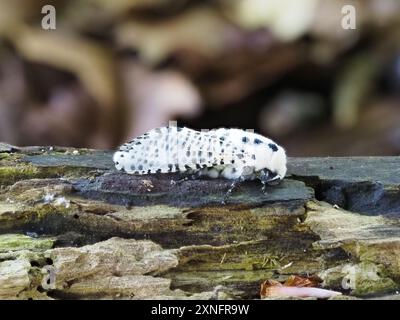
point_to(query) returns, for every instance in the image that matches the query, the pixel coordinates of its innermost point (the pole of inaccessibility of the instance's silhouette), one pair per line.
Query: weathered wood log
(61, 210)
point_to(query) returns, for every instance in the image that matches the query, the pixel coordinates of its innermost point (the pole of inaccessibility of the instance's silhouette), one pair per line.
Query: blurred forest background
(114, 69)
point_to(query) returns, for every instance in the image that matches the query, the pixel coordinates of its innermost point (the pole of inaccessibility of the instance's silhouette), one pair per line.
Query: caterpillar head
(274, 165)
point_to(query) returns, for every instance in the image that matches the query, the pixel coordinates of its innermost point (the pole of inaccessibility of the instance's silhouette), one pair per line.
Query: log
(71, 226)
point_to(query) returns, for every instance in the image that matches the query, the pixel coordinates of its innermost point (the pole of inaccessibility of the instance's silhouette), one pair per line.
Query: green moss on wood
(13, 242)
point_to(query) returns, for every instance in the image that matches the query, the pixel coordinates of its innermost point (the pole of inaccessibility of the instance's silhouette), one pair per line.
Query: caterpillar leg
(234, 184)
(264, 188)
(193, 176)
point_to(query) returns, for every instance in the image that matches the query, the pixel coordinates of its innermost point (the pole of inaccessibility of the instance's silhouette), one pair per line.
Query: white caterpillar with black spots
(228, 153)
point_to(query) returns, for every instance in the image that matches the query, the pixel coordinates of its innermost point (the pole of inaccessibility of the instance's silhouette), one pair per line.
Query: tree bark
(69, 211)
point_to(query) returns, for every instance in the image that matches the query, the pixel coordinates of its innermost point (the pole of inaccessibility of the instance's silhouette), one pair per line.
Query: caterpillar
(227, 153)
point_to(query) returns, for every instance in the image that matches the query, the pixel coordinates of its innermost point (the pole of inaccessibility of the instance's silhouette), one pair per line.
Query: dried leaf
(287, 19)
(296, 281)
(295, 286)
(353, 87)
(266, 285)
(122, 6)
(155, 97)
(90, 62)
(156, 41)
